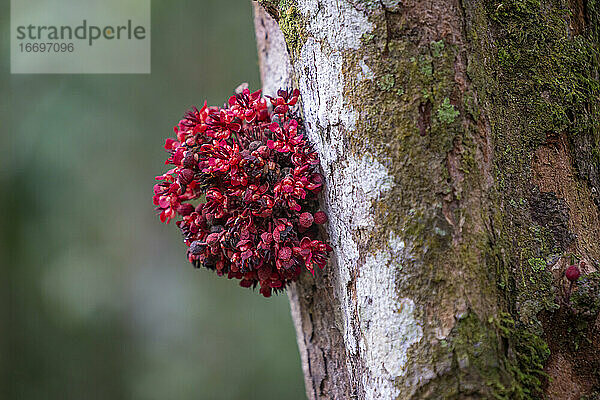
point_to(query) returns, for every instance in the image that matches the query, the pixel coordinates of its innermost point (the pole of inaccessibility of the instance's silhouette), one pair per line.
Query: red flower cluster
(254, 181)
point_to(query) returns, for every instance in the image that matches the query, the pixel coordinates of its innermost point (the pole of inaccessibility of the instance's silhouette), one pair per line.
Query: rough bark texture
(460, 143)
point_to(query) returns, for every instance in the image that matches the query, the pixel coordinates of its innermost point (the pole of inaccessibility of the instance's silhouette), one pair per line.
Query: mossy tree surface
(460, 142)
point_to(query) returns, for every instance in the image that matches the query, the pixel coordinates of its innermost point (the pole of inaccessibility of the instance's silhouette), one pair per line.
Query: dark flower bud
(186, 176)
(265, 291)
(285, 253)
(189, 161)
(267, 238)
(185, 209)
(212, 239)
(320, 217)
(245, 283)
(282, 109)
(197, 247)
(305, 220)
(317, 179)
(572, 273)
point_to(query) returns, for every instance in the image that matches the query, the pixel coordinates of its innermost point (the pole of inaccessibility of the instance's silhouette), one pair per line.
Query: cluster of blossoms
(245, 183)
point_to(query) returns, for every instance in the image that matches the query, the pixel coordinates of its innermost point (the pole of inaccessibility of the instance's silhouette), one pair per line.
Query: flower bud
(189, 161)
(572, 273)
(186, 176)
(185, 209)
(320, 217)
(197, 247)
(305, 220)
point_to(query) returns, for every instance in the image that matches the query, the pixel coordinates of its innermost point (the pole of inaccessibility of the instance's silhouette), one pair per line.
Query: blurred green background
(97, 298)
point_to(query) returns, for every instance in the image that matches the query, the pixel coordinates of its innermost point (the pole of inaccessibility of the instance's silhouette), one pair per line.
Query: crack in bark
(424, 121)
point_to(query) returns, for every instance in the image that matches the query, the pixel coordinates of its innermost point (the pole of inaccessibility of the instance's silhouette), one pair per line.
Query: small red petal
(245, 283)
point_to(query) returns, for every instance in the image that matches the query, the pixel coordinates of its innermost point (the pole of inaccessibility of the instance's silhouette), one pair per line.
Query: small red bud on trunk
(572, 273)
(320, 217)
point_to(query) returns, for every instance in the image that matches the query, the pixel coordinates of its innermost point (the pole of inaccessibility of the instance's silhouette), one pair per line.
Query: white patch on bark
(379, 326)
(340, 27)
(322, 88)
(351, 190)
(366, 73)
(336, 22)
(387, 322)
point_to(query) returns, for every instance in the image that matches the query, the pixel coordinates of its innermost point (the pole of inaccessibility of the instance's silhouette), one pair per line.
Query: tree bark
(460, 143)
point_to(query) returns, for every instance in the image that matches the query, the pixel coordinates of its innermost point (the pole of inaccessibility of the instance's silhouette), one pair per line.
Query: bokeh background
(97, 300)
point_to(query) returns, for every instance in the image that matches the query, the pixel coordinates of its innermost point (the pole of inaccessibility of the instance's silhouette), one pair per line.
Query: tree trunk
(460, 143)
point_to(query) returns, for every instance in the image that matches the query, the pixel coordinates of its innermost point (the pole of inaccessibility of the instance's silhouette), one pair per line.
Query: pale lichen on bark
(388, 327)
(379, 325)
(377, 341)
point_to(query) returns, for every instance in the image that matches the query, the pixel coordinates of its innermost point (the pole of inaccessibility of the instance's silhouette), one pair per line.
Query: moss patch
(446, 112)
(437, 47)
(291, 22)
(585, 299)
(538, 79)
(386, 82)
(526, 358)
(476, 346)
(293, 28)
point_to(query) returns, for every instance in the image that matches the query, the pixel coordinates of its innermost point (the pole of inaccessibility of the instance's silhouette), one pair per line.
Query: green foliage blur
(97, 298)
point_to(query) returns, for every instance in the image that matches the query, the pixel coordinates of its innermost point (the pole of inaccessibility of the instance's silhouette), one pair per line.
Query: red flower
(314, 253)
(286, 138)
(284, 100)
(290, 190)
(249, 106)
(220, 124)
(253, 173)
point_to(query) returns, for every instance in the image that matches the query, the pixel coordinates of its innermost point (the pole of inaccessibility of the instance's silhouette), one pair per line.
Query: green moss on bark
(413, 121)
(538, 78)
(525, 362)
(543, 84)
(291, 22)
(585, 299)
(475, 345)
(446, 112)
